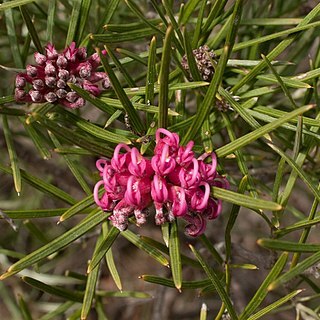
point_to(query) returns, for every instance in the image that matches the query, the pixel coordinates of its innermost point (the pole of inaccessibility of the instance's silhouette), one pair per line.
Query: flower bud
(85, 70)
(19, 94)
(61, 84)
(62, 62)
(31, 71)
(49, 69)
(51, 52)
(50, 82)
(36, 96)
(63, 74)
(82, 53)
(106, 83)
(61, 93)
(72, 96)
(40, 58)
(20, 81)
(38, 84)
(51, 97)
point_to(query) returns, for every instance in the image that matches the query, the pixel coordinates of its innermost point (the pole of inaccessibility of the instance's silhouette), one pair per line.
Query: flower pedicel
(174, 181)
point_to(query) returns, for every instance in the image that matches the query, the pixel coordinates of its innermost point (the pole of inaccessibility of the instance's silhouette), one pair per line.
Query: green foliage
(259, 113)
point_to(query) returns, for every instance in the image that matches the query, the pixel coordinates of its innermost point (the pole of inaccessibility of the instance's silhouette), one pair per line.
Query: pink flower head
(174, 181)
(47, 81)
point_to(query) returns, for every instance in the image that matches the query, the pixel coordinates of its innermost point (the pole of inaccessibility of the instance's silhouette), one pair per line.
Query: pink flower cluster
(177, 183)
(47, 80)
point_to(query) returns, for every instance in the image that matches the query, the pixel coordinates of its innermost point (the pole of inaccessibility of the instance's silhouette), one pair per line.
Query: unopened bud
(61, 84)
(106, 83)
(80, 102)
(40, 58)
(36, 96)
(82, 53)
(61, 93)
(50, 70)
(51, 97)
(63, 74)
(51, 52)
(37, 84)
(20, 81)
(85, 70)
(50, 82)
(72, 96)
(62, 62)
(31, 71)
(19, 94)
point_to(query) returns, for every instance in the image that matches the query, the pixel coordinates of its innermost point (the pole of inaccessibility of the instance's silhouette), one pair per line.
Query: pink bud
(32, 71)
(38, 84)
(20, 81)
(36, 96)
(62, 62)
(51, 97)
(40, 58)
(51, 52)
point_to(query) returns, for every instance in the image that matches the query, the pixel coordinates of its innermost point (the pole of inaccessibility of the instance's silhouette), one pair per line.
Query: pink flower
(47, 81)
(174, 181)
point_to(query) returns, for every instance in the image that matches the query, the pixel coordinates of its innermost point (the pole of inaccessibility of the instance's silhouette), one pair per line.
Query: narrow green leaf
(24, 309)
(297, 270)
(54, 290)
(280, 81)
(37, 139)
(244, 200)
(77, 208)
(42, 185)
(57, 244)
(12, 35)
(132, 113)
(188, 9)
(91, 283)
(12, 155)
(124, 294)
(35, 231)
(103, 248)
(74, 168)
(110, 7)
(33, 214)
(14, 3)
(31, 28)
(151, 73)
(73, 22)
(274, 305)
(110, 262)
(59, 311)
(262, 292)
(233, 217)
(254, 135)
(175, 258)
(83, 18)
(203, 312)
(52, 6)
(141, 244)
(169, 283)
(123, 37)
(164, 79)
(288, 245)
(216, 283)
